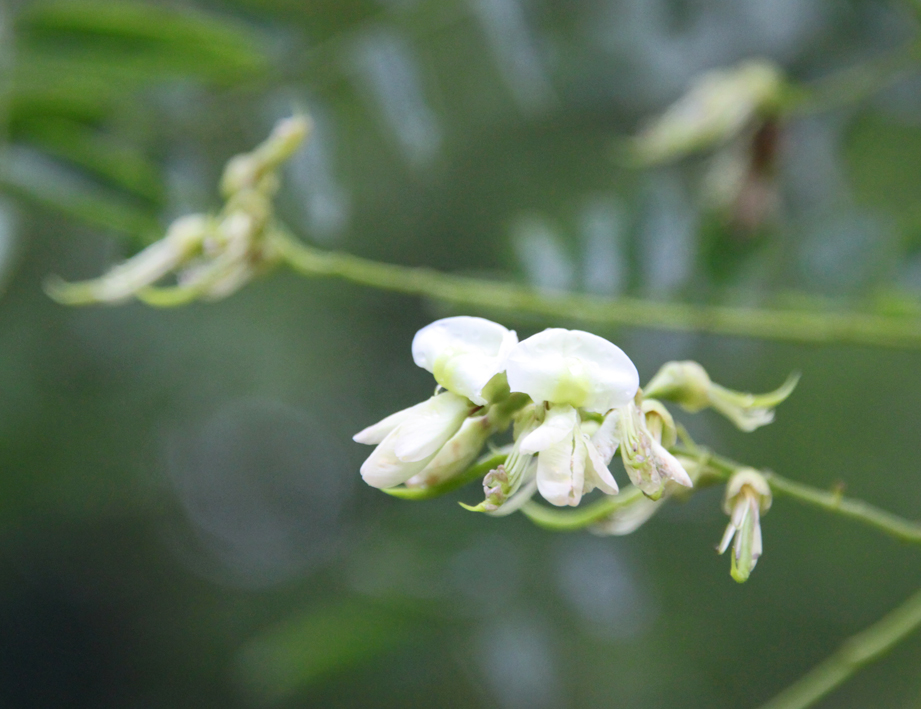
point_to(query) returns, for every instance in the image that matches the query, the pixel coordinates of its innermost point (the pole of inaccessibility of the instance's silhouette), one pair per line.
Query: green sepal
(468, 476)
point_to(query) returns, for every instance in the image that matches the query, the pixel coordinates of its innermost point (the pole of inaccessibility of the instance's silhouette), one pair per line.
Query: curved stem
(559, 520)
(787, 325)
(858, 651)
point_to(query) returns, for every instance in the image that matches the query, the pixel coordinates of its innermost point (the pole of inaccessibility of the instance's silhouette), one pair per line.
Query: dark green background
(182, 523)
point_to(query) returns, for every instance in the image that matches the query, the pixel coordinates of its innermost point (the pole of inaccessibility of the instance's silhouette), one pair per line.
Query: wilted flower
(748, 496)
(433, 441)
(718, 106)
(569, 374)
(210, 256)
(647, 462)
(637, 507)
(688, 384)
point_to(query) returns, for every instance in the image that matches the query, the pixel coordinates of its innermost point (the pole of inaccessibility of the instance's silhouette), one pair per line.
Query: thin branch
(785, 325)
(858, 651)
(833, 501)
(855, 84)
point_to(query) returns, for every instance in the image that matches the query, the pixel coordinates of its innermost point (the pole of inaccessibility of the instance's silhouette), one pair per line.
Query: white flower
(409, 440)
(572, 367)
(718, 106)
(748, 496)
(464, 353)
(571, 372)
(569, 464)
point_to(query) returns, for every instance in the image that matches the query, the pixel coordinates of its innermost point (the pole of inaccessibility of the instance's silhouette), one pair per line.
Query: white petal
(607, 438)
(558, 425)
(377, 432)
(383, 469)
(429, 426)
(463, 353)
(669, 466)
(572, 367)
(727, 537)
(457, 454)
(596, 471)
(555, 476)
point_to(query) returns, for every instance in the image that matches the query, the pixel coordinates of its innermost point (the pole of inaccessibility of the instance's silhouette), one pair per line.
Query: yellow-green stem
(788, 325)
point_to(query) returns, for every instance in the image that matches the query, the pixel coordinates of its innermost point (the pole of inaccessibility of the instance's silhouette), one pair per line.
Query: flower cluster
(210, 256)
(573, 402)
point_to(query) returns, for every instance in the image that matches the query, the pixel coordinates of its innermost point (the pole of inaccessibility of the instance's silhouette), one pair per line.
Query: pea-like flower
(433, 441)
(748, 497)
(571, 375)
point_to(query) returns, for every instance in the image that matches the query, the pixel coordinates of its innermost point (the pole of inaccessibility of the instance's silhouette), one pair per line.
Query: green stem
(559, 520)
(788, 325)
(833, 501)
(854, 84)
(858, 651)
(716, 469)
(468, 476)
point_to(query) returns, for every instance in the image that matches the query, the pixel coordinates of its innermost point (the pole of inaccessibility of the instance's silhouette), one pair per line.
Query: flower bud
(688, 384)
(748, 497)
(718, 106)
(247, 171)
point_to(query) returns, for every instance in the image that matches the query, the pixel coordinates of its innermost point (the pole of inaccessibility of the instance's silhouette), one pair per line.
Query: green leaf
(116, 162)
(141, 40)
(30, 176)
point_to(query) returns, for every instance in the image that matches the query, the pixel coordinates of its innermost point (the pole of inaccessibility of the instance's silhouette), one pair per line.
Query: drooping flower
(748, 497)
(688, 384)
(647, 461)
(431, 442)
(570, 374)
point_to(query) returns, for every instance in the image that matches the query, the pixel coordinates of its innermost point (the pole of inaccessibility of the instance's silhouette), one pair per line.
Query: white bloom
(569, 464)
(464, 353)
(411, 439)
(572, 371)
(748, 496)
(572, 367)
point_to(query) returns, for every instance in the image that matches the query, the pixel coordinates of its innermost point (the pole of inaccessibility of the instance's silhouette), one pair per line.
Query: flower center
(573, 385)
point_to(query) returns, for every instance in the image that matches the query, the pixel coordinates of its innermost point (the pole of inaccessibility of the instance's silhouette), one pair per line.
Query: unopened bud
(717, 107)
(689, 385)
(246, 171)
(748, 497)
